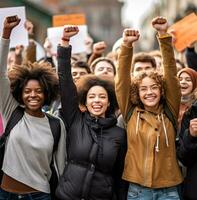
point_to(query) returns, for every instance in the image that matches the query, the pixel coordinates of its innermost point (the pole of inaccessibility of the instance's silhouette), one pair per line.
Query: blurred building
(103, 17)
(173, 10)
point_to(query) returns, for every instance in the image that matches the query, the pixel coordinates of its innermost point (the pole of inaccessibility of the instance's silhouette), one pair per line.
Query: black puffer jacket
(187, 154)
(96, 147)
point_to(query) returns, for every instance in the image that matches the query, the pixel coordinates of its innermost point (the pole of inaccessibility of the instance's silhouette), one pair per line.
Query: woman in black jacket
(96, 146)
(187, 152)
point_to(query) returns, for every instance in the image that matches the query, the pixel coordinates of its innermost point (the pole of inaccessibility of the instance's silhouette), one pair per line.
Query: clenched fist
(129, 36)
(160, 24)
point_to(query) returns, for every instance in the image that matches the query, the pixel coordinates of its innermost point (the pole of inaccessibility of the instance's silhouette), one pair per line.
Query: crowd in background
(128, 120)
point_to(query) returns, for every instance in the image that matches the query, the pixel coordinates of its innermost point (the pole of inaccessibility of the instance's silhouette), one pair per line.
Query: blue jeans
(31, 196)
(138, 192)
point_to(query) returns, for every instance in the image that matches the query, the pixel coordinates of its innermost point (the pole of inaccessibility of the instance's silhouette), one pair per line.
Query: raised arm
(68, 90)
(123, 77)
(7, 101)
(172, 86)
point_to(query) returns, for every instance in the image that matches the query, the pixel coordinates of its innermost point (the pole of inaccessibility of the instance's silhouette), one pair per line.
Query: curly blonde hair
(135, 82)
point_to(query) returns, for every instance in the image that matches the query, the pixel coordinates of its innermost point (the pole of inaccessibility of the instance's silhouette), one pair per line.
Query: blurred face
(77, 72)
(11, 59)
(97, 101)
(104, 68)
(186, 84)
(33, 98)
(140, 67)
(149, 93)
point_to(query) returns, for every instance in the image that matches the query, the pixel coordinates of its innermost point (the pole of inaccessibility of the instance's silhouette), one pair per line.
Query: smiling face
(97, 101)
(149, 93)
(186, 84)
(33, 98)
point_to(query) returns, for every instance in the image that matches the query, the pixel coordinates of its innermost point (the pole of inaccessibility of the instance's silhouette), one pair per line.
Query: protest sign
(71, 19)
(185, 31)
(19, 34)
(54, 35)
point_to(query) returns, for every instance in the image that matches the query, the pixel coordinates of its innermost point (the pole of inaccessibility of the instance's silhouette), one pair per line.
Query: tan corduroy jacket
(151, 156)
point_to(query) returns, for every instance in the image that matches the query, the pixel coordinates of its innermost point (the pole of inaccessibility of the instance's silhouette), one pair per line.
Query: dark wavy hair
(19, 75)
(88, 81)
(135, 82)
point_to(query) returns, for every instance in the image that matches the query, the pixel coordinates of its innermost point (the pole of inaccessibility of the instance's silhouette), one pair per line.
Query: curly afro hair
(135, 82)
(88, 81)
(19, 75)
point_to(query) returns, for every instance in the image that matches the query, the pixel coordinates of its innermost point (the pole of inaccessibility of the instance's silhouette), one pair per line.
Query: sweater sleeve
(68, 91)
(123, 80)
(172, 86)
(7, 101)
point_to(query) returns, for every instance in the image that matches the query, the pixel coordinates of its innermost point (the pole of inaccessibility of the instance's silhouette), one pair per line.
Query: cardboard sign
(71, 19)
(185, 31)
(19, 34)
(54, 35)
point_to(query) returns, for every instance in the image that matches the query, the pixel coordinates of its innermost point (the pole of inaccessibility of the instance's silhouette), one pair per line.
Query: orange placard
(70, 19)
(185, 31)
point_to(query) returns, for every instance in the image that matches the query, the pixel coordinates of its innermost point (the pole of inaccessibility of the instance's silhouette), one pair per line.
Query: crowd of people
(125, 121)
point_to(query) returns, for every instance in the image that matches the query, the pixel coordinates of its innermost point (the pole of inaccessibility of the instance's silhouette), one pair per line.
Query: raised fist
(129, 36)
(99, 47)
(160, 24)
(11, 21)
(70, 31)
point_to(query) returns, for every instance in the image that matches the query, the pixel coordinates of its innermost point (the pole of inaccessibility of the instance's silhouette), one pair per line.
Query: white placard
(54, 34)
(19, 34)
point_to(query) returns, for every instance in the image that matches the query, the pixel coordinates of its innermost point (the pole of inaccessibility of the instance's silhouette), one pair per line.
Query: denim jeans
(138, 192)
(31, 196)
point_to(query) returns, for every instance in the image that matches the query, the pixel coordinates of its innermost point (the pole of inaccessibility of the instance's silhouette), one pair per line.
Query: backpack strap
(55, 129)
(170, 116)
(130, 112)
(15, 117)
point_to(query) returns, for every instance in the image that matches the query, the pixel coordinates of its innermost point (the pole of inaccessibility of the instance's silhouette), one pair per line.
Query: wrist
(162, 33)
(6, 33)
(65, 39)
(128, 45)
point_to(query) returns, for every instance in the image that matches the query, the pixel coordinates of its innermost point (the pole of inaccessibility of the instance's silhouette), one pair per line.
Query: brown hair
(143, 57)
(86, 82)
(94, 63)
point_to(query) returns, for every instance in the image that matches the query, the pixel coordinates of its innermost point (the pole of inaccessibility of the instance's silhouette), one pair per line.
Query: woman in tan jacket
(151, 166)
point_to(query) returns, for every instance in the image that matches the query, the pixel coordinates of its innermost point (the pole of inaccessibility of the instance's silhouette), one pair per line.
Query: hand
(29, 27)
(160, 24)
(9, 23)
(18, 50)
(129, 36)
(193, 127)
(48, 47)
(70, 31)
(88, 44)
(99, 47)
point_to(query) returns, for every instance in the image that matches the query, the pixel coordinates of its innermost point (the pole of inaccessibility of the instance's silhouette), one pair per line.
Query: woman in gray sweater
(29, 147)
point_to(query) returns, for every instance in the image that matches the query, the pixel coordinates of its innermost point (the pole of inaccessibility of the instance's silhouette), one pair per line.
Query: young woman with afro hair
(29, 147)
